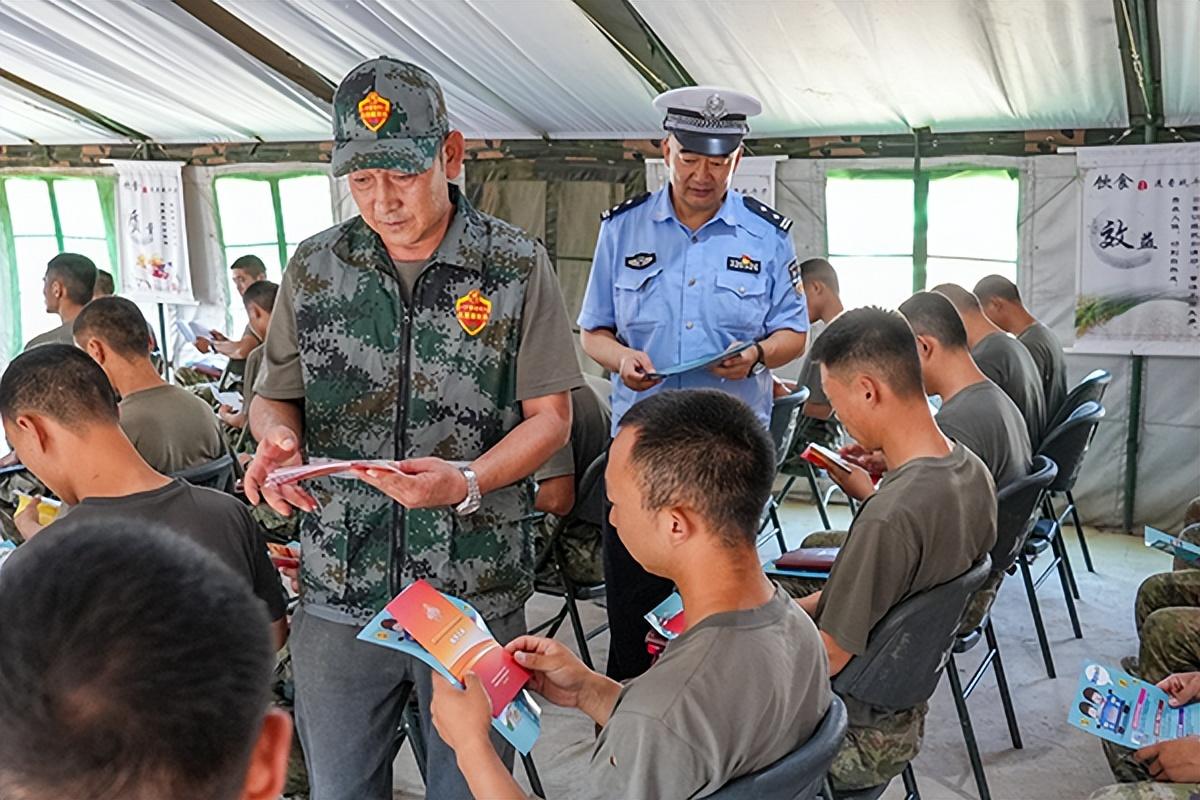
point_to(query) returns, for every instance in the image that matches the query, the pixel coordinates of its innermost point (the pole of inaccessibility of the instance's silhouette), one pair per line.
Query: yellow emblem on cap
(473, 311)
(374, 110)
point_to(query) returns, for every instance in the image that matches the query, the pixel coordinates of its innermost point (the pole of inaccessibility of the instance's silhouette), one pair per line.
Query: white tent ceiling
(534, 68)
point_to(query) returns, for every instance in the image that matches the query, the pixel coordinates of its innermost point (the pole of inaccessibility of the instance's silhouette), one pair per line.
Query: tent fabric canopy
(541, 68)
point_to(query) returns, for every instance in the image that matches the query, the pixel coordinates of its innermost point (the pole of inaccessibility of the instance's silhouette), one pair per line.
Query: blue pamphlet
(701, 363)
(667, 617)
(1161, 540)
(521, 720)
(1126, 710)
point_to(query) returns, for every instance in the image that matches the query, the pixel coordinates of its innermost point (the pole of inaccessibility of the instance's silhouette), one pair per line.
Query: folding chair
(1066, 445)
(216, 474)
(1016, 504)
(589, 508)
(785, 413)
(1092, 387)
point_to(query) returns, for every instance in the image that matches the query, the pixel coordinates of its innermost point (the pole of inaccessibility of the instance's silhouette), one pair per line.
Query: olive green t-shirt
(1008, 364)
(1047, 354)
(928, 522)
(171, 428)
(987, 421)
(546, 359)
(731, 695)
(63, 334)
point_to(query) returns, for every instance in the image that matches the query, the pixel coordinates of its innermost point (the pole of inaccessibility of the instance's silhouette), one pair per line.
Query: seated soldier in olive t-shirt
(259, 300)
(931, 518)
(171, 428)
(744, 685)
(60, 414)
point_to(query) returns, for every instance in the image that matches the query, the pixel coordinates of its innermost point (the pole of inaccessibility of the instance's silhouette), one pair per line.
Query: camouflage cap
(387, 114)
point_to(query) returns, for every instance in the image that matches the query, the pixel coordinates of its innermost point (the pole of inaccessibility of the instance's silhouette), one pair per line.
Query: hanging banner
(152, 244)
(755, 177)
(1138, 288)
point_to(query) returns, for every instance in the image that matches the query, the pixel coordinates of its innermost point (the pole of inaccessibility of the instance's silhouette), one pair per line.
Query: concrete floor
(1057, 761)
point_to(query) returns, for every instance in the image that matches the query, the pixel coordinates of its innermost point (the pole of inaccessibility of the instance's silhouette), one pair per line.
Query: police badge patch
(743, 264)
(797, 279)
(640, 260)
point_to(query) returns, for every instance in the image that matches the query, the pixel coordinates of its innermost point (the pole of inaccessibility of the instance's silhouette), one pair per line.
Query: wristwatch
(474, 499)
(759, 364)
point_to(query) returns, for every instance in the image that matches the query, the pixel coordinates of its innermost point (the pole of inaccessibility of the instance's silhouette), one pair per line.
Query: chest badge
(374, 110)
(640, 260)
(473, 311)
(743, 264)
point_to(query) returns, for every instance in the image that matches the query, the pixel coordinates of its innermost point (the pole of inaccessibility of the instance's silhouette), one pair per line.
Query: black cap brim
(708, 144)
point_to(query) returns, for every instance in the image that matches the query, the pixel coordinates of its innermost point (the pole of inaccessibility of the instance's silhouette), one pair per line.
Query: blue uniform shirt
(679, 295)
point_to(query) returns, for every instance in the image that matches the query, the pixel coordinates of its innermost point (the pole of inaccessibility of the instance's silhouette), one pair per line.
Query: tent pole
(920, 242)
(1131, 442)
(1147, 75)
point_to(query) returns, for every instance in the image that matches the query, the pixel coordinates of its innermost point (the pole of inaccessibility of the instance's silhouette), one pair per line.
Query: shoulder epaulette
(621, 208)
(766, 212)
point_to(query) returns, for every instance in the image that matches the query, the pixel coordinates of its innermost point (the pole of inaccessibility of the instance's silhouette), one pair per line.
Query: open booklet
(704, 362)
(1176, 546)
(191, 331)
(1126, 710)
(232, 399)
(449, 636)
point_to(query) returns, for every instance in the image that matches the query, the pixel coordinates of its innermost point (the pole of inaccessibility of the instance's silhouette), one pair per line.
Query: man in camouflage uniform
(1148, 790)
(424, 332)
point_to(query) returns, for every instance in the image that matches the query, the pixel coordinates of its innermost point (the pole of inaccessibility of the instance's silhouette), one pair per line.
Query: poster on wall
(755, 177)
(152, 243)
(1138, 287)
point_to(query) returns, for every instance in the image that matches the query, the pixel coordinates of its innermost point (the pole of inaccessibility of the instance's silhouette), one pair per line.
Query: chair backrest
(800, 774)
(216, 474)
(1092, 387)
(589, 497)
(1067, 444)
(785, 412)
(910, 645)
(1015, 506)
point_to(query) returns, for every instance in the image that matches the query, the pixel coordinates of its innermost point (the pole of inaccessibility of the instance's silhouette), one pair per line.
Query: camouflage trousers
(1148, 790)
(582, 551)
(802, 587)
(872, 755)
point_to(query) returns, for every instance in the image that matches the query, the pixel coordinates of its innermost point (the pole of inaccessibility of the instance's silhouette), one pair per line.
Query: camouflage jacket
(383, 379)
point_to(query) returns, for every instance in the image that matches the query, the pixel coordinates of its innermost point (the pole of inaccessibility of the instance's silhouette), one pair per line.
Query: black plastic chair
(216, 474)
(785, 413)
(1016, 504)
(1091, 388)
(1067, 444)
(906, 653)
(798, 775)
(589, 508)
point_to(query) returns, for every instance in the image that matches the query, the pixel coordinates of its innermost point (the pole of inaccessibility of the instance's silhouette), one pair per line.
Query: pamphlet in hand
(1126, 710)
(191, 331)
(232, 399)
(284, 556)
(323, 467)
(48, 508)
(667, 617)
(1176, 546)
(701, 363)
(449, 636)
(823, 457)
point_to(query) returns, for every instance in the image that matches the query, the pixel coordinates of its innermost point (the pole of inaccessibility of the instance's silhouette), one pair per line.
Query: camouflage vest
(385, 380)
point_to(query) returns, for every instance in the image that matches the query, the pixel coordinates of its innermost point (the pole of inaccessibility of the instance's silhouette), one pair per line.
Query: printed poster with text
(1138, 287)
(151, 237)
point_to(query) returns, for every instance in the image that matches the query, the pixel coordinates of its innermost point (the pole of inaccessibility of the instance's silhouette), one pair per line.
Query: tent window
(268, 216)
(40, 217)
(972, 232)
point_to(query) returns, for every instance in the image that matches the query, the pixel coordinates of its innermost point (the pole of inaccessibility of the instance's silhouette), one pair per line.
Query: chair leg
(1038, 625)
(773, 511)
(535, 782)
(964, 720)
(816, 493)
(1083, 545)
(1066, 579)
(580, 634)
(910, 784)
(1060, 548)
(411, 723)
(1010, 714)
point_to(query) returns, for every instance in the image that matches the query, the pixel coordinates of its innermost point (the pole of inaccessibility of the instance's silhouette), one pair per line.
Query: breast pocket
(742, 302)
(636, 294)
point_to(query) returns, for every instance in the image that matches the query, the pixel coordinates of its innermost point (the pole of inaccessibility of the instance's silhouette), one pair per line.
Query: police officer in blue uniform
(681, 274)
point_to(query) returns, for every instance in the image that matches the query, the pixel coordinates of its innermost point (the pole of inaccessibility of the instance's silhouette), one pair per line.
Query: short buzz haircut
(964, 301)
(708, 450)
(116, 321)
(820, 270)
(252, 265)
(136, 666)
(876, 342)
(77, 274)
(932, 314)
(104, 284)
(60, 382)
(261, 294)
(997, 286)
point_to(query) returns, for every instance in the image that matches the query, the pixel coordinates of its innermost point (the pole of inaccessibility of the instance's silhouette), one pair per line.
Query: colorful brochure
(284, 556)
(667, 617)
(703, 362)
(823, 457)
(320, 468)
(1126, 710)
(1176, 546)
(448, 635)
(47, 509)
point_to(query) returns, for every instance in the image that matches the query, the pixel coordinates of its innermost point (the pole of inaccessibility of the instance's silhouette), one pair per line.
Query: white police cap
(708, 120)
